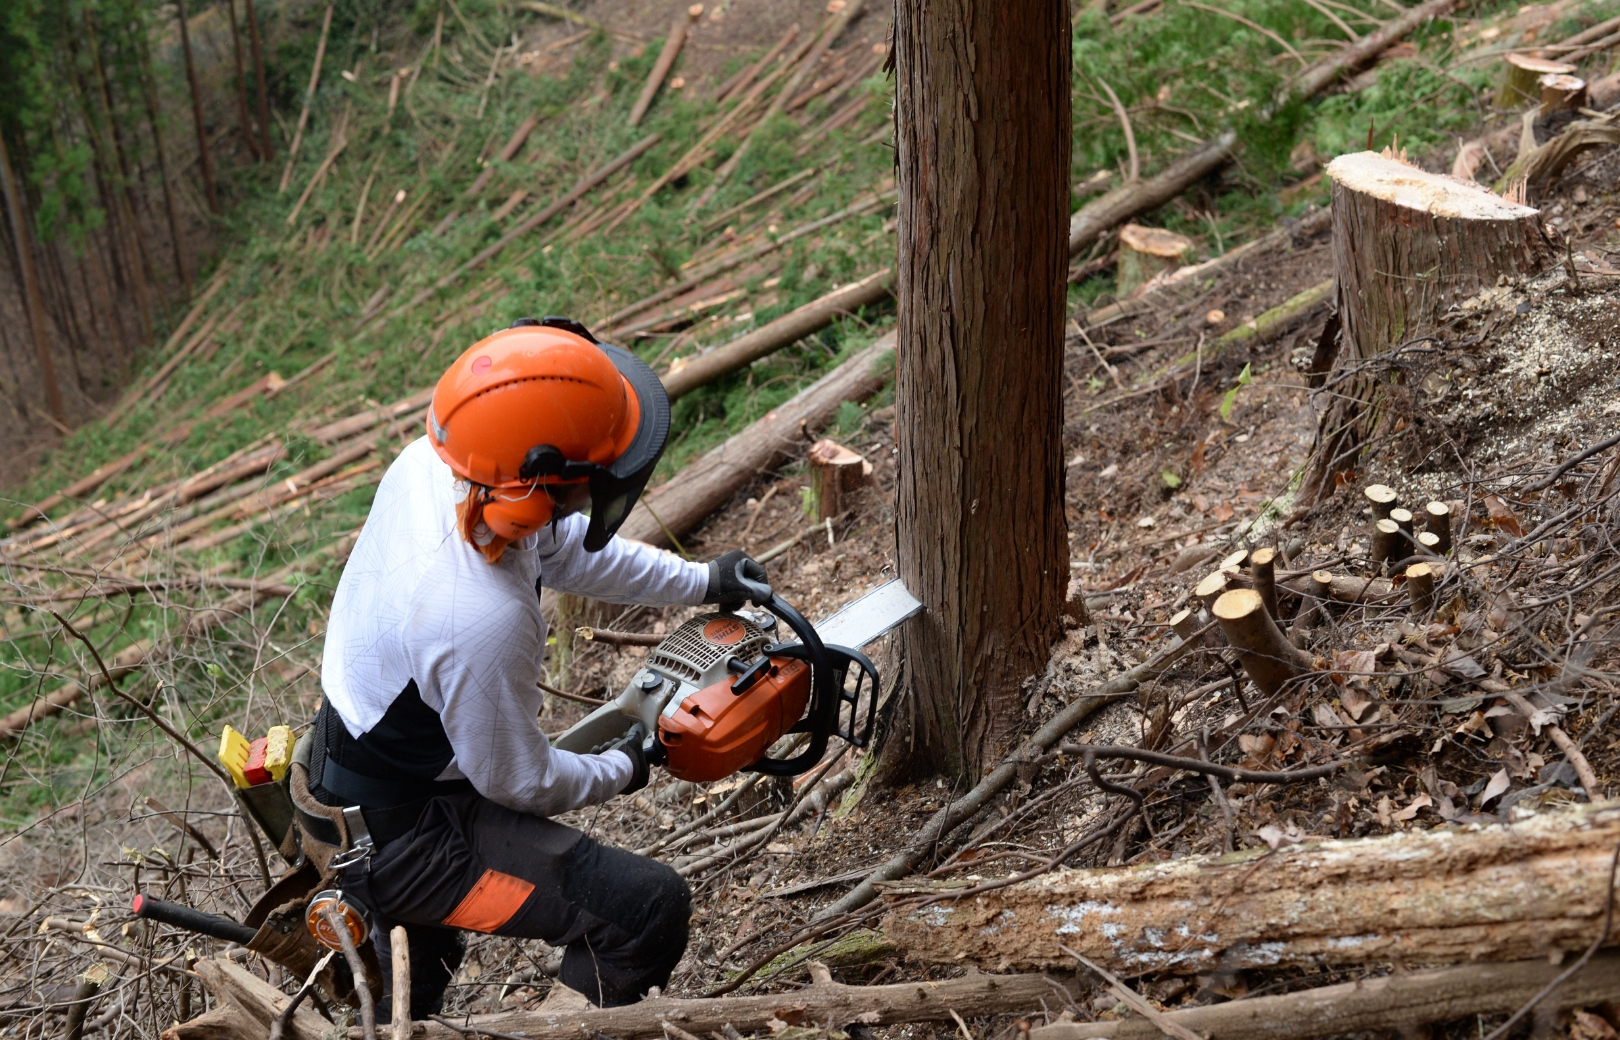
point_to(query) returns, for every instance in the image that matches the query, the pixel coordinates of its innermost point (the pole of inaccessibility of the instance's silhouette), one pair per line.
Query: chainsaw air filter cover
(727, 725)
(696, 653)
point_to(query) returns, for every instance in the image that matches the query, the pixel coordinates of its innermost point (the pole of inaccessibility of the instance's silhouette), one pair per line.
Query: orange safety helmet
(543, 403)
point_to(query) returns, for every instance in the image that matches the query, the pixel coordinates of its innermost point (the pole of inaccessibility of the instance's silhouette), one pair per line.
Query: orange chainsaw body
(715, 732)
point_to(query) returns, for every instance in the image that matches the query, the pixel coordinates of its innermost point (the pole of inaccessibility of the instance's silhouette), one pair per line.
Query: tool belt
(373, 811)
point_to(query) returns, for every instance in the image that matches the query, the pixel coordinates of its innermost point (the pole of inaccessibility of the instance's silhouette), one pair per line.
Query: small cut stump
(1145, 253)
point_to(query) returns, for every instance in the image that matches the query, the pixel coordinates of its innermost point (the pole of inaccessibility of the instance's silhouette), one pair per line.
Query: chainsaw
(720, 690)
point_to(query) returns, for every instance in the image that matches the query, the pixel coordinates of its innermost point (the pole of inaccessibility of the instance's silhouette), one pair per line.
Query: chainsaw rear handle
(191, 920)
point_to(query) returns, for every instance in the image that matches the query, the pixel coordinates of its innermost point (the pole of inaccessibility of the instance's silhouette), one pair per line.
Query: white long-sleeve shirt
(417, 602)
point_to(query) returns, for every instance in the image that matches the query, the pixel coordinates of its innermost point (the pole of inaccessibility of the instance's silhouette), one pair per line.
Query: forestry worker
(435, 642)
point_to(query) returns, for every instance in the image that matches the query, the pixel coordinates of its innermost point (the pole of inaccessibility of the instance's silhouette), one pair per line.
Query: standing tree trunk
(267, 147)
(123, 224)
(983, 134)
(203, 161)
(124, 195)
(1406, 245)
(149, 94)
(30, 282)
(241, 87)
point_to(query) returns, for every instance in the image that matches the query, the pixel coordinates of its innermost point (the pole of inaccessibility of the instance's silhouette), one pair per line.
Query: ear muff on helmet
(518, 516)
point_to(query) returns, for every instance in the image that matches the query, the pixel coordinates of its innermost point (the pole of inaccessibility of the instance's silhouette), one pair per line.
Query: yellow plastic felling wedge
(233, 754)
(278, 752)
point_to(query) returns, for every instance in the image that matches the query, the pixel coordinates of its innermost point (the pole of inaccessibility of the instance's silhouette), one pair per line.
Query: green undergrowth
(296, 292)
(1186, 72)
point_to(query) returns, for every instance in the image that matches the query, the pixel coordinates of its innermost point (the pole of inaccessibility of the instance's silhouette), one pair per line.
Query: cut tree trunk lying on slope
(680, 504)
(666, 61)
(824, 1001)
(685, 377)
(1504, 892)
(1096, 217)
(1390, 1002)
(928, 840)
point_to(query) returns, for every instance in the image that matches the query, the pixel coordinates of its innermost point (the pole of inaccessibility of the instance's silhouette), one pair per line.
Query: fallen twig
(1193, 765)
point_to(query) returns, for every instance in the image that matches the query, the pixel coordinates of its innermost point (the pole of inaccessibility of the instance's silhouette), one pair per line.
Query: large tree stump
(1406, 245)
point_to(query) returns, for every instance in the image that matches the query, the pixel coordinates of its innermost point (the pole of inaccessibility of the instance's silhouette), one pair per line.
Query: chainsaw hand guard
(829, 671)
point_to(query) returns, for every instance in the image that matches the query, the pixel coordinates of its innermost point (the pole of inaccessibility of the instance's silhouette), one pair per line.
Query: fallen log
(309, 99)
(733, 260)
(1262, 328)
(1107, 211)
(1537, 888)
(666, 61)
(1129, 200)
(824, 1001)
(1388, 1003)
(686, 500)
(773, 336)
(340, 429)
(1344, 588)
(748, 73)
(840, 22)
(519, 137)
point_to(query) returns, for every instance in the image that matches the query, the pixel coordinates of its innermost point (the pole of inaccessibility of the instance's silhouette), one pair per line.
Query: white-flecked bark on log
(1503, 892)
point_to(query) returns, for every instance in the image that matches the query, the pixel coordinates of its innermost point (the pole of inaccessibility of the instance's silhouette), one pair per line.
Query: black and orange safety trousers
(471, 864)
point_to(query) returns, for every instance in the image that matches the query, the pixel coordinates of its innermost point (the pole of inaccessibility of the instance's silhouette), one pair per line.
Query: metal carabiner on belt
(360, 843)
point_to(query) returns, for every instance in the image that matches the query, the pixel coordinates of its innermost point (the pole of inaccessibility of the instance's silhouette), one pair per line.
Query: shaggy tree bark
(982, 130)
(1533, 889)
(1406, 245)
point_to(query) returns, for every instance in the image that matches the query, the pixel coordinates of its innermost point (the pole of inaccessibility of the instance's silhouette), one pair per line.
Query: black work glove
(727, 589)
(632, 745)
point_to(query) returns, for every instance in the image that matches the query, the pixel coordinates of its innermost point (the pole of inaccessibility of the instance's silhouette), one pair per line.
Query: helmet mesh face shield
(616, 486)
